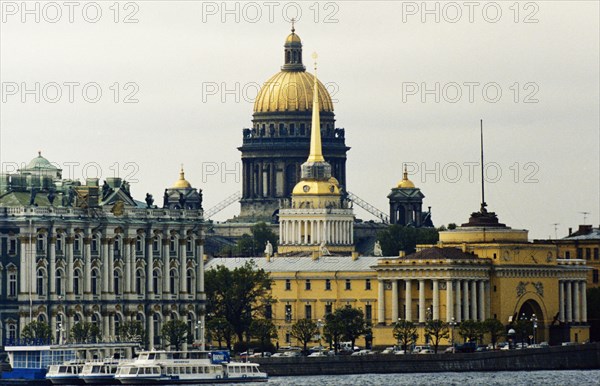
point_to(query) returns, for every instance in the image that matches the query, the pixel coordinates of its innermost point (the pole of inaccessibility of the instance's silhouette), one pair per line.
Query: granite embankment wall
(553, 358)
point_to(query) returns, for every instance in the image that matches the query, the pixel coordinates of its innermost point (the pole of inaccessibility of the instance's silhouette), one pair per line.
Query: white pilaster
(449, 301)
(380, 302)
(408, 299)
(394, 300)
(436, 299)
(422, 301)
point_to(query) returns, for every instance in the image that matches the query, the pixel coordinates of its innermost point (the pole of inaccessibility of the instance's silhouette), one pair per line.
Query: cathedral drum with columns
(276, 146)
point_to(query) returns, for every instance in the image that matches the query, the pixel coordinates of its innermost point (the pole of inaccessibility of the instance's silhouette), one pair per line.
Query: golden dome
(182, 183)
(315, 187)
(406, 183)
(293, 38)
(291, 91)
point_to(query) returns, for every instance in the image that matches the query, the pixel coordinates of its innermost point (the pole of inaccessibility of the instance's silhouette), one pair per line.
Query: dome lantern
(293, 52)
(181, 183)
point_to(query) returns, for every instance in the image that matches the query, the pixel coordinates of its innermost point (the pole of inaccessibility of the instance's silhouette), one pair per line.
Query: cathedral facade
(73, 253)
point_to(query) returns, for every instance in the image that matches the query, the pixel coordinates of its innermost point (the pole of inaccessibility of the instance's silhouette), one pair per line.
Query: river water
(562, 378)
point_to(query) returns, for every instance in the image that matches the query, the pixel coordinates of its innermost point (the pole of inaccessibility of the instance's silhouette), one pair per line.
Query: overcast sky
(191, 70)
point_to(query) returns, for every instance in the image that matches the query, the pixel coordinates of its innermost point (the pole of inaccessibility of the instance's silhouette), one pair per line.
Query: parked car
(363, 352)
(292, 354)
(388, 350)
(399, 352)
(450, 350)
(426, 351)
(418, 349)
(317, 354)
(266, 354)
(278, 355)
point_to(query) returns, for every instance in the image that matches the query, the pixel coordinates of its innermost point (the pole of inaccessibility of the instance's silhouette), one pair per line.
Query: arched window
(139, 282)
(77, 282)
(41, 282)
(41, 318)
(76, 318)
(12, 331)
(156, 281)
(117, 282)
(190, 281)
(173, 281)
(95, 282)
(59, 282)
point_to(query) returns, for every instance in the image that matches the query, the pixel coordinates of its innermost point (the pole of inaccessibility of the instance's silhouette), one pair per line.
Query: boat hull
(187, 381)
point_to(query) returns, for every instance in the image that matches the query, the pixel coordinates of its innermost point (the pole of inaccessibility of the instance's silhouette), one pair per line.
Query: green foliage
(593, 316)
(436, 330)
(220, 330)
(133, 331)
(254, 244)
(523, 328)
(451, 226)
(174, 333)
(304, 330)
(353, 323)
(333, 330)
(264, 330)
(37, 330)
(495, 329)
(471, 330)
(85, 332)
(400, 238)
(405, 333)
(238, 296)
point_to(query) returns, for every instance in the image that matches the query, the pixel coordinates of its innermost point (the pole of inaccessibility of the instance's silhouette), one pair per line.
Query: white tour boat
(101, 372)
(66, 373)
(192, 367)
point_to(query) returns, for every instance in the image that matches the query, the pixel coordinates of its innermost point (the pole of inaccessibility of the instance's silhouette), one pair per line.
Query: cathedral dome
(293, 38)
(291, 91)
(39, 163)
(406, 183)
(182, 183)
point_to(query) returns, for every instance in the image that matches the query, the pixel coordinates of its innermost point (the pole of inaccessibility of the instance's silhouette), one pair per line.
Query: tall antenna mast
(556, 224)
(584, 216)
(483, 204)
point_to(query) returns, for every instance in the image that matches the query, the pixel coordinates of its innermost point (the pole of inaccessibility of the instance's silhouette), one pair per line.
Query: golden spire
(405, 174)
(316, 151)
(405, 183)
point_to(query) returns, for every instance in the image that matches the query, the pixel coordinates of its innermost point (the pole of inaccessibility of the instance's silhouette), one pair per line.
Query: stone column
(380, 302)
(105, 266)
(182, 265)
(111, 265)
(569, 303)
(449, 301)
(281, 232)
(422, 301)
(24, 260)
(466, 313)
(436, 299)
(68, 276)
(561, 301)
(458, 302)
(583, 301)
(52, 267)
(408, 300)
(394, 300)
(473, 292)
(87, 264)
(127, 267)
(150, 324)
(166, 258)
(305, 241)
(577, 298)
(149, 261)
(481, 300)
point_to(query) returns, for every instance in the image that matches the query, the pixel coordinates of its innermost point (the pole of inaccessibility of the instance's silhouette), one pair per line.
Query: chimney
(354, 256)
(570, 231)
(315, 255)
(401, 254)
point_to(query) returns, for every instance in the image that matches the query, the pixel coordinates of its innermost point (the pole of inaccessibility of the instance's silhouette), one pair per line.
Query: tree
(264, 330)
(523, 327)
(405, 333)
(470, 330)
(333, 330)
(85, 332)
(254, 245)
(495, 328)
(37, 330)
(220, 330)
(133, 331)
(304, 330)
(353, 323)
(238, 295)
(436, 330)
(405, 238)
(174, 333)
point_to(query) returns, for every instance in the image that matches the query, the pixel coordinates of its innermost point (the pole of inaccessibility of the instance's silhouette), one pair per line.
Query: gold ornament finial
(315, 56)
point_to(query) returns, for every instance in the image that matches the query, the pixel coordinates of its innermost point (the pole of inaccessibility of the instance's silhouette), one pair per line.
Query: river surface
(562, 378)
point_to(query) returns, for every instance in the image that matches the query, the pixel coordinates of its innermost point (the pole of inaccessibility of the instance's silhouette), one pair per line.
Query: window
(41, 245)
(40, 290)
(307, 311)
(580, 253)
(156, 281)
(172, 245)
(189, 246)
(348, 285)
(567, 255)
(12, 246)
(12, 331)
(268, 311)
(307, 285)
(288, 338)
(189, 281)
(327, 284)
(12, 284)
(94, 244)
(368, 312)
(328, 308)
(59, 244)
(117, 282)
(588, 253)
(288, 313)
(76, 244)
(155, 244)
(596, 256)
(595, 276)
(139, 282)
(368, 284)
(173, 281)
(76, 282)
(138, 244)
(59, 282)
(288, 284)
(95, 283)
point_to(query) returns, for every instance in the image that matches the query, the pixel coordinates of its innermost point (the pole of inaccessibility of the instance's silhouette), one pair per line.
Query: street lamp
(523, 331)
(59, 331)
(200, 329)
(534, 321)
(511, 337)
(319, 326)
(452, 324)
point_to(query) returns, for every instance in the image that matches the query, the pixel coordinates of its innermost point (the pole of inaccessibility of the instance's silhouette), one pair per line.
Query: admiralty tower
(274, 149)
